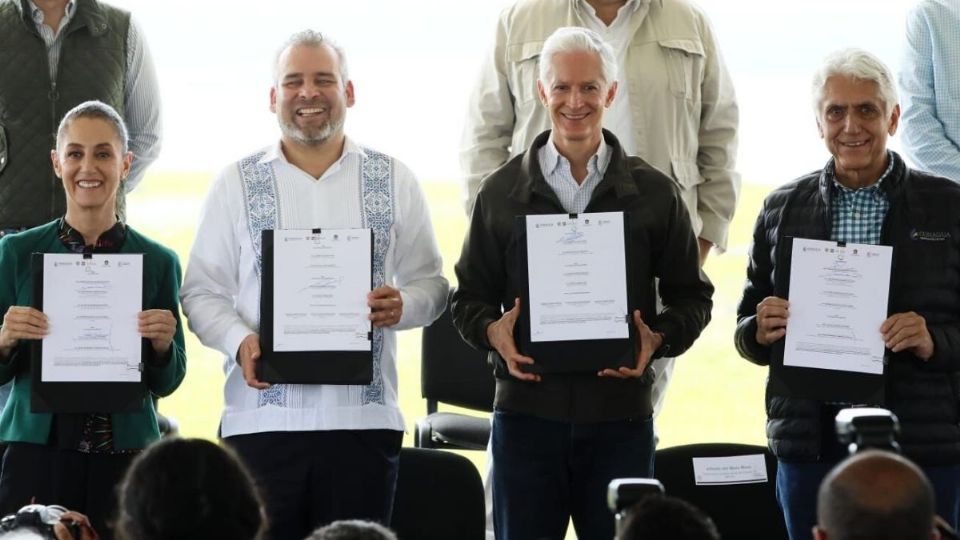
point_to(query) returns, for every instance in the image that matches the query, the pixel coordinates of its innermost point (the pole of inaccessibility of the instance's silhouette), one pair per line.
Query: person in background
(930, 83)
(661, 517)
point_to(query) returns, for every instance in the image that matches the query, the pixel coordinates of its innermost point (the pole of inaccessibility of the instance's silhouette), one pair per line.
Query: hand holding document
(838, 302)
(21, 322)
(500, 336)
(92, 304)
(578, 282)
(320, 285)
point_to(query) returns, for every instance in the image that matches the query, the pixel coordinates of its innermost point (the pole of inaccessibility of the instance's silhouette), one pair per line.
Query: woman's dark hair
(188, 488)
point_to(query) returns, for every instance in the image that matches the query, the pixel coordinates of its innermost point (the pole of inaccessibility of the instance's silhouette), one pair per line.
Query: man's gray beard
(328, 129)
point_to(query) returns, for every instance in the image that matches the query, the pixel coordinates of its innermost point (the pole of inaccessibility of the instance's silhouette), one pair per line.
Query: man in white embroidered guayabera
(319, 452)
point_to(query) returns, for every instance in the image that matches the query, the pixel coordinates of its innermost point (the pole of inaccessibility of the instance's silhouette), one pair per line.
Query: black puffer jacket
(923, 226)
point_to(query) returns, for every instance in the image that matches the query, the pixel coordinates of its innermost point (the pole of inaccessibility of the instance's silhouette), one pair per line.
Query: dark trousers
(311, 478)
(545, 472)
(48, 475)
(798, 483)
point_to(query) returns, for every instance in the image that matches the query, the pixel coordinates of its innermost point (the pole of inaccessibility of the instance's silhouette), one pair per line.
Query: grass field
(715, 395)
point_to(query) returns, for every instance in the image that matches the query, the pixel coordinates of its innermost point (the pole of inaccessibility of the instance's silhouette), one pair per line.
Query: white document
(578, 277)
(838, 300)
(320, 286)
(92, 305)
(748, 469)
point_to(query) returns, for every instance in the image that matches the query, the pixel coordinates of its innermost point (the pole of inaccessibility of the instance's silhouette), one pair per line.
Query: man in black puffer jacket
(865, 194)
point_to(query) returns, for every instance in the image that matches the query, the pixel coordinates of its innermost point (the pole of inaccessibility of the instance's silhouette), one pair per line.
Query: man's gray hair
(570, 39)
(858, 64)
(99, 110)
(312, 38)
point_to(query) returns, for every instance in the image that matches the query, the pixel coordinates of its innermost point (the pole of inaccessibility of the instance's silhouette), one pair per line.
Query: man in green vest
(54, 55)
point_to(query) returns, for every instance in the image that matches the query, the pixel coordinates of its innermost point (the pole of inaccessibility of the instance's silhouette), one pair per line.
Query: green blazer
(161, 286)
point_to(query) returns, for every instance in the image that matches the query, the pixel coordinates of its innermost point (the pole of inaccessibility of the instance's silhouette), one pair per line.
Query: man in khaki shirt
(676, 106)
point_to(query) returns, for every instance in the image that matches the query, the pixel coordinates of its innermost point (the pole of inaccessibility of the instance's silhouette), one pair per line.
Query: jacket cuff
(714, 229)
(233, 339)
(669, 346)
(482, 338)
(157, 360)
(746, 342)
(942, 359)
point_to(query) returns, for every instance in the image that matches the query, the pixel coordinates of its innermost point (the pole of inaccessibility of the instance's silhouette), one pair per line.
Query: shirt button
(856, 215)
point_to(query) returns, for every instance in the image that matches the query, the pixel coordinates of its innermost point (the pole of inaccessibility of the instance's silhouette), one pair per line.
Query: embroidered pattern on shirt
(263, 206)
(376, 195)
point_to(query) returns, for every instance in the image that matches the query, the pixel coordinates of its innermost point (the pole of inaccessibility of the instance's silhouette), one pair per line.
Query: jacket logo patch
(929, 236)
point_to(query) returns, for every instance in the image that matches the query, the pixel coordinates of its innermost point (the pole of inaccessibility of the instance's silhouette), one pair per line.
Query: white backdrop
(413, 63)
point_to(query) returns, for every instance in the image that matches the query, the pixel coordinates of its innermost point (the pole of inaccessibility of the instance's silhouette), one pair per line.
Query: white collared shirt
(618, 117)
(50, 37)
(556, 171)
(221, 291)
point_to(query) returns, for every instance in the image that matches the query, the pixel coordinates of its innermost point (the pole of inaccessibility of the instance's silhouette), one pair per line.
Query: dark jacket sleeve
(684, 289)
(758, 286)
(8, 298)
(946, 347)
(481, 278)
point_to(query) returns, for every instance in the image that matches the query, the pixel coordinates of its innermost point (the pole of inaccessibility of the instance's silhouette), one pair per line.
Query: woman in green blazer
(76, 460)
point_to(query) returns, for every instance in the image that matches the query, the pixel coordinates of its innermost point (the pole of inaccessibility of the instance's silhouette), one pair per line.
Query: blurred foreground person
(186, 489)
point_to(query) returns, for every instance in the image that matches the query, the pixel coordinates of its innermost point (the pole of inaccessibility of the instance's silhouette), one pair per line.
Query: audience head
(353, 530)
(875, 495)
(661, 517)
(188, 488)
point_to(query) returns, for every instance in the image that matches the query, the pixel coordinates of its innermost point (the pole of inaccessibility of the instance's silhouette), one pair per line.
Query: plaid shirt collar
(842, 190)
(858, 214)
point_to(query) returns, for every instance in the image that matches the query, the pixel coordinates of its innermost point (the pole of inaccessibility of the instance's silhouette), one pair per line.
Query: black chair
(439, 496)
(738, 510)
(454, 373)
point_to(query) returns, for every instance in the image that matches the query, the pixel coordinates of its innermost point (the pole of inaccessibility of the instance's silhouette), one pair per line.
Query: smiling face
(575, 94)
(854, 124)
(310, 98)
(90, 161)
